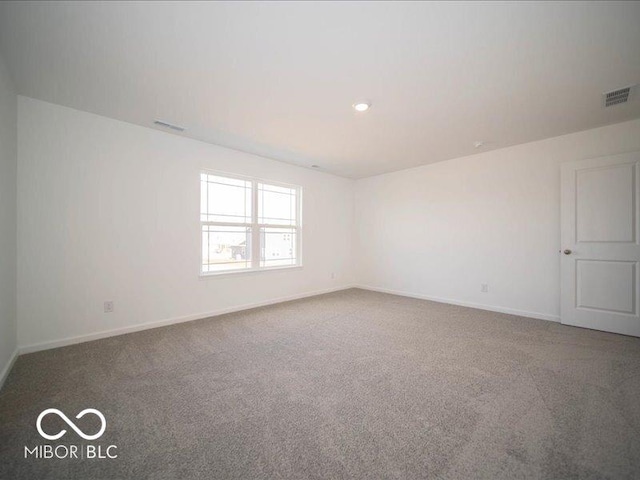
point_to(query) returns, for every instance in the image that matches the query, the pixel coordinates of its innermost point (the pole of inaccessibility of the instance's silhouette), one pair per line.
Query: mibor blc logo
(71, 424)
(71, 451)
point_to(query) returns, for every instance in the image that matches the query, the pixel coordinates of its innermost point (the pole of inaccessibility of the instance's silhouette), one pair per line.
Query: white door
(601, 243)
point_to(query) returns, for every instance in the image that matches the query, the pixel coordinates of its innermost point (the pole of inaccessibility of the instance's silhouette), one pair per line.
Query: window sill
(248, 271)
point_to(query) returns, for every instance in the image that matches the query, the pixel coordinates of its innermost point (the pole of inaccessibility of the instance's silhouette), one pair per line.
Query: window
(248, 224)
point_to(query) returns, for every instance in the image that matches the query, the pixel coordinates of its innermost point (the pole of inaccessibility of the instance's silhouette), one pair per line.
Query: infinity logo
(71, 424)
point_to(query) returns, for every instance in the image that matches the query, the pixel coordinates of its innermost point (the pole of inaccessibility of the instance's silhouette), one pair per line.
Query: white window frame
(255, 225)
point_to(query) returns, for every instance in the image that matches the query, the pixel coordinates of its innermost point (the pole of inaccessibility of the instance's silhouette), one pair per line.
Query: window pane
(276, 205)
(225, 248)
(225, 199)
(278, 247)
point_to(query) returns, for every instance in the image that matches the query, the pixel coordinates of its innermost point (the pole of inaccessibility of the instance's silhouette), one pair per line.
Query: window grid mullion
(276, 225)
(256, 248)
(226, 224)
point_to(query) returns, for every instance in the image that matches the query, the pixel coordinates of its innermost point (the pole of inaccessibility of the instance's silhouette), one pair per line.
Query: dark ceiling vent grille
(169, 125)
(618, 96)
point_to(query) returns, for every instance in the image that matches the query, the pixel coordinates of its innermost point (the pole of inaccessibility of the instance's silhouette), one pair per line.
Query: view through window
(248, 224)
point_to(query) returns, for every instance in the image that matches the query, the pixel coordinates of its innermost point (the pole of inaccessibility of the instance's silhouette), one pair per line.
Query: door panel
(605, 204)
(606, 285)
(600, 250)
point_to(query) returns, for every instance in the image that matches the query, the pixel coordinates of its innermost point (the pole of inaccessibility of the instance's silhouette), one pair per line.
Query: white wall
(8, 157)
(110, 211)
(441, 230)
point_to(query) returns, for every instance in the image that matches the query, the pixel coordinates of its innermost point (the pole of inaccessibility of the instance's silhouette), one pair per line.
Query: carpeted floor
(353, 384)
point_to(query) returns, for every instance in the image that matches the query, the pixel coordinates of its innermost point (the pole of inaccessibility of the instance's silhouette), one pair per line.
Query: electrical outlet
(484, 288)
(108, 306)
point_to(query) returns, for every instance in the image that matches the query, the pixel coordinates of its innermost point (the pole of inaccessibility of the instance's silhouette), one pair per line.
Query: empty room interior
(319, 240)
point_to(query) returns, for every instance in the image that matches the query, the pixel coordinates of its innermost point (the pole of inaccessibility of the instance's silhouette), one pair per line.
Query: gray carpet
(353, 384)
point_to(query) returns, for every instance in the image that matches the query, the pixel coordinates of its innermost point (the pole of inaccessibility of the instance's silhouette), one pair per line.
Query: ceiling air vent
(169, 125)
(616, 97)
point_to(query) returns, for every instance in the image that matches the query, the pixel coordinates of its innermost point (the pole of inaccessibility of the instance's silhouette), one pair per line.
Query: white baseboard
(36, 347)
(491, 308)
(172, 321)
(7, 368)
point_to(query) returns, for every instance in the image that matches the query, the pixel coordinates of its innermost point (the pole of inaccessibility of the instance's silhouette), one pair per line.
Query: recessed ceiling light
(362, 106)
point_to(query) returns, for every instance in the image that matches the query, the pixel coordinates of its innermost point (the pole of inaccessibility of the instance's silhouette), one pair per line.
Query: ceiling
(279, 79)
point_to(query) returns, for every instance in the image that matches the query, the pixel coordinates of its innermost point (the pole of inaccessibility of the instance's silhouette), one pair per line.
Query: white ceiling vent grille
(169, 125)
(616, 97)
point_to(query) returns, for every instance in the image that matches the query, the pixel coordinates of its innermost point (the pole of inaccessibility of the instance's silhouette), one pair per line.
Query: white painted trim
(171, 321)
(491, 308)
(254, 224)
(36, 347)
(205, 276)
(7, 368)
